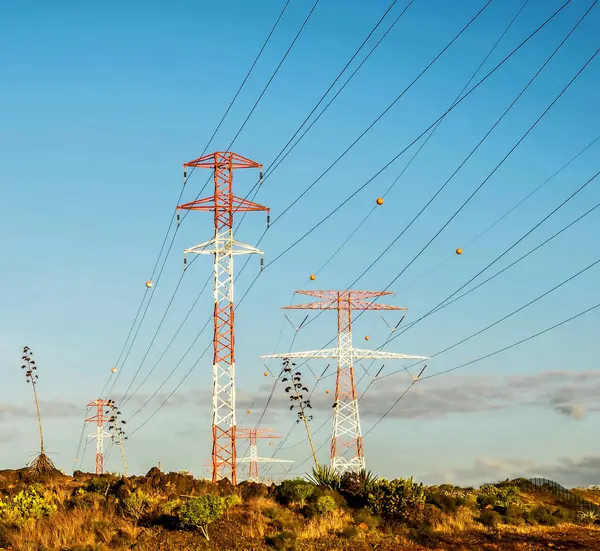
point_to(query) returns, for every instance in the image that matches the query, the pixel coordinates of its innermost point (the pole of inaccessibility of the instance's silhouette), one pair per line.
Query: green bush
(447, 500)
(24, 506)
(137, 504)
(541, 515)
(400, 499)
(326, 504)
(294, 491)
(99, 485)
(199, 512)
(491, 519)
(494, 496)
(232, 500)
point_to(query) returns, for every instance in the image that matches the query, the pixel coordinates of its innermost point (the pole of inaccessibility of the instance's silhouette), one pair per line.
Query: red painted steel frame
(224, 204)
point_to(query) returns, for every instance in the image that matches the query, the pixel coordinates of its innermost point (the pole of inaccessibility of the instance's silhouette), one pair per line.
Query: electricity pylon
(100, 419)
(223, 246)
(253, 459)
(346, 421)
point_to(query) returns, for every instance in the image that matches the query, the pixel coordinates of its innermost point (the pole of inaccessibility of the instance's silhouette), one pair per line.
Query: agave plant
(41, 463)
(325, 477)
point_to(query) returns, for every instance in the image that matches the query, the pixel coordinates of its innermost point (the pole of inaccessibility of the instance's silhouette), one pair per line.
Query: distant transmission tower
(223, 246)
(100, 419)
(253, 459)
(346, 421)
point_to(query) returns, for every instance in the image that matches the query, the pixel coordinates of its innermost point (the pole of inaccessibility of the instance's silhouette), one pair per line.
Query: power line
(496, 352)
(425, 142)
(475, 87)
(445, 302)
(484, 181)
(506, 214)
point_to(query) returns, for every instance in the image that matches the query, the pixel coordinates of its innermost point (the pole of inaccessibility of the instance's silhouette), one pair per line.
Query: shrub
(350, 532)
(170, 507)
(199, 512)
(24, 506)
(588, 517)
(397, 499)
(294, 491)
(494, 496)
(137, 504)
(231, 501)
(365, 516)
(326, 504)
(358, 484)
(490, 519)
(447, 501)
(99, 485)
(541, 515)
(284, 541)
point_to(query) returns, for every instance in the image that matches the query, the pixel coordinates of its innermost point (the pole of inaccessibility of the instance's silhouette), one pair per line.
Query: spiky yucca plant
(325, 477)
(41, 463)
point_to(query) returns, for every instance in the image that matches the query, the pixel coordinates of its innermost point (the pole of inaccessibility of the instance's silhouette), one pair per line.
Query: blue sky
(102, 103)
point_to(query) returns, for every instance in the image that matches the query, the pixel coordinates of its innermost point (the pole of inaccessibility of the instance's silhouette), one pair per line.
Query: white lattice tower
(100, 419)
(253, 460)
(223, 246)
(346, 420)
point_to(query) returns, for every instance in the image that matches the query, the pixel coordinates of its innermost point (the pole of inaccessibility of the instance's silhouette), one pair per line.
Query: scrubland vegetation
(322, 512)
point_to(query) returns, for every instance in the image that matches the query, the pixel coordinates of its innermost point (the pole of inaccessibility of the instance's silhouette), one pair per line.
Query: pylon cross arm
(325, 353)
(357, 354)
(262, 460)
(360, 353)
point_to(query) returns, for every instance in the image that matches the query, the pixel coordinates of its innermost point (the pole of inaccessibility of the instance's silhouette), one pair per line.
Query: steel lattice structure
(223, 246)
(253, 460)
(346, 420)
(100, 419)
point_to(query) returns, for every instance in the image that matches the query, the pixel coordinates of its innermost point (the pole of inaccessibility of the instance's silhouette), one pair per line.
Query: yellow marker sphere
(327, 391)
(114, 369)
(248, 411)
(458, 251)
(367, 337)
(379, 200)
(266, 373)
(149, 283)
(313, 277)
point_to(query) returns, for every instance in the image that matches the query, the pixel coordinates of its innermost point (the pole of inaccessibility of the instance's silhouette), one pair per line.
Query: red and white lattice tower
(346, 421)
(253, 460)
(223, 246)
(100, 419)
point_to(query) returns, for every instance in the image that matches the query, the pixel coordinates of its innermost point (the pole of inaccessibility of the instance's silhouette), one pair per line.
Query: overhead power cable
(363, 186)
(485, 357)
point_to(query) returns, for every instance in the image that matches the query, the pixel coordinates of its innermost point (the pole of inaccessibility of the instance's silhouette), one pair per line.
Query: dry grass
(323, 526)
(460, 521)
(255, 526)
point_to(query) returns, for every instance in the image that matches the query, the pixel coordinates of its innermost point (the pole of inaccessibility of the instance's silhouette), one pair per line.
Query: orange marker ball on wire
(459, 251)
(114, 369)
(327, 391)
(313, 277)
(149, 283)
(266, 373)
(379, 201)
(367, 337)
